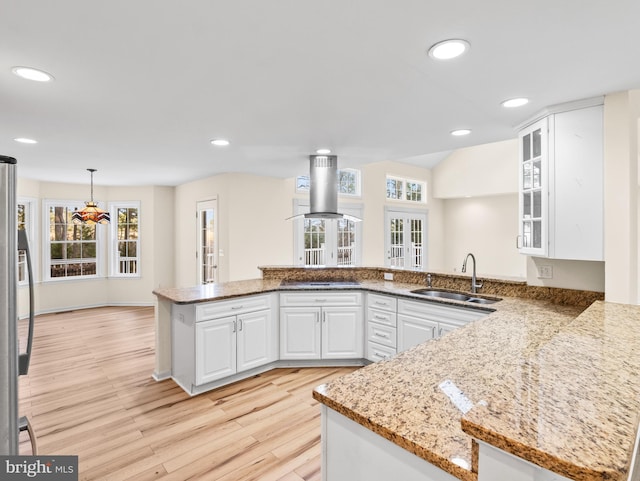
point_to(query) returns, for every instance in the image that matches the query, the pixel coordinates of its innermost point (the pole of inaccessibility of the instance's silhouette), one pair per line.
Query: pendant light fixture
(91, 214)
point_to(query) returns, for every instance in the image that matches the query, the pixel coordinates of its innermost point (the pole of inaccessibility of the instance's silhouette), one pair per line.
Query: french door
(405, 239)
(207, 253)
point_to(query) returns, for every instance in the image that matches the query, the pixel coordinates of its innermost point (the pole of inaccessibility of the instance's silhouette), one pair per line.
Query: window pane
(303, 183)
(394, 188)
(347, 182)
(526, 147)
(314, 242)
(414, 191)
(346, 242)
(537, 204)
(526, 205)
(537, 143)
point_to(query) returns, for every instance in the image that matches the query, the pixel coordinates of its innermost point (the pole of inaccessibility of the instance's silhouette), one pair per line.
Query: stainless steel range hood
(323, 189)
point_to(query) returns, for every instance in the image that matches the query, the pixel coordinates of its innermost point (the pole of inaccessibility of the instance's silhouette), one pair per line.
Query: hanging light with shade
(91, 213)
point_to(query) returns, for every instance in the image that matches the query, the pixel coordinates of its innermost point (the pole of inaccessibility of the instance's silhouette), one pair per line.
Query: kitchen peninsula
(543, 381)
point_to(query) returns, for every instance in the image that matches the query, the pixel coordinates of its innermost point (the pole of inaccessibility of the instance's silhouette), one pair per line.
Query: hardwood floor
(89, 393)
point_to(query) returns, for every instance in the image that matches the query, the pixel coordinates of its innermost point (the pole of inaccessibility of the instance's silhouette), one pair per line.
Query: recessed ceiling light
(448, 49)
(518, 102)
(24, 140)
(323, 151)
(220, 142)
(460, 132)
(32, 74)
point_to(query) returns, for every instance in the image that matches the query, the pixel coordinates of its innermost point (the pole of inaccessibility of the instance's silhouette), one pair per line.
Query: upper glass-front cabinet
(534, 173)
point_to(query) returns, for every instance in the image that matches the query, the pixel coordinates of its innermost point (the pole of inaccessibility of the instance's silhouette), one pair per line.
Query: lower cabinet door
(215, 349)
(300, 333)
(413, 331)
(254, 339)
(342, 333)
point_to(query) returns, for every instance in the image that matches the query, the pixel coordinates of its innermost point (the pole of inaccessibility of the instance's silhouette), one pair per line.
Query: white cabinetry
(561, 204)
(321, 325)
(420, 321)
(381, 327)
(218, 340)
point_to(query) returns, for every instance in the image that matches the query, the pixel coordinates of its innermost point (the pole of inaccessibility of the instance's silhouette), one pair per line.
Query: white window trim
(30, 204)
(357, 195)
(301, 206)
(46, 246)
(403, 195)
(113, 239)
(388, 211)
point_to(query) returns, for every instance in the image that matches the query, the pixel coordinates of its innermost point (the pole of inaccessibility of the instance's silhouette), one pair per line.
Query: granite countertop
(547, 382)
(557, 390)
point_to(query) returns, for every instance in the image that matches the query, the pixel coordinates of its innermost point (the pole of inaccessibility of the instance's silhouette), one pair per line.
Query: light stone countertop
(550, 384)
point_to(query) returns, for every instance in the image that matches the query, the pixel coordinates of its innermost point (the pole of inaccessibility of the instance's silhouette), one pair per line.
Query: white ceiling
(142, 86)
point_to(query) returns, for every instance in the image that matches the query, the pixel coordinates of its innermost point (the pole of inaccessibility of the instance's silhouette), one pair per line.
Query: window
(125, 239)
(327, 242)
(405, 234)
(71, 251)
(348, 183)
(407, 190)
(26, 222)
(207, 251)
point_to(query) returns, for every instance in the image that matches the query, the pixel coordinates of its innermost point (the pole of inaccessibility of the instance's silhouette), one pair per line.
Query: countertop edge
(427, 455)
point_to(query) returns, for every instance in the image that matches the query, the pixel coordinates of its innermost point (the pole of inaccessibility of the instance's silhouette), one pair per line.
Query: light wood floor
(89, 393)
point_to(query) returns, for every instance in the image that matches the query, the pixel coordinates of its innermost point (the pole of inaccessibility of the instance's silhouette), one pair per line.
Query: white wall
(487, 227)
(482, 170)
(621, 114)
(252, 226)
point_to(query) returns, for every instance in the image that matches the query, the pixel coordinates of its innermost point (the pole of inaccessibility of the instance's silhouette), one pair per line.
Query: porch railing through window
(397, 258)
(314, 256)
(346, 255)
(128, 265)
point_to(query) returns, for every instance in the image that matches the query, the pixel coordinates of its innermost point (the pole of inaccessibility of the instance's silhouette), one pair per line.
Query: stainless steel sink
(457, 296)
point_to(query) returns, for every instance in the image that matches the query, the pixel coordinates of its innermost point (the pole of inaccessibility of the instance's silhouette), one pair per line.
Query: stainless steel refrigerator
(12, 362)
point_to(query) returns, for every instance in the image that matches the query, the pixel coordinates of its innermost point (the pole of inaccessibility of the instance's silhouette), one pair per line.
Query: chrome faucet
(474, 285)
(429, 280)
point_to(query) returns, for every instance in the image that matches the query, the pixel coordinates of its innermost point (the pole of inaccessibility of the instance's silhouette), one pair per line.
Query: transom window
(406, 189)
(349, 181)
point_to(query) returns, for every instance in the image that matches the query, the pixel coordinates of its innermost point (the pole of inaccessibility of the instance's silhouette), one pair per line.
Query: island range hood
(323, 189)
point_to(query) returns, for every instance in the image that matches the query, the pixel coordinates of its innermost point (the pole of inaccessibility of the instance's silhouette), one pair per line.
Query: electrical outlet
(388, 276)
(545, 272)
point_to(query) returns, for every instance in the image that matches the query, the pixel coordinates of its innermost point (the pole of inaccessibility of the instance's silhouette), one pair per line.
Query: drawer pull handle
(321, 300)
(380, 303)
(377, 354)
(385, 336)
(235, 308)
(380, 317)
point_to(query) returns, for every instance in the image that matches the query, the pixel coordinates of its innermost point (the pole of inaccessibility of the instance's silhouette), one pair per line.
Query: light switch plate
(388, 276)
(545, 272)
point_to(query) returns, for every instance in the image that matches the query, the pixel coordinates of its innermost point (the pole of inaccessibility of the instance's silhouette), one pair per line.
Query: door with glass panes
(533, 221)
(328, 242)
(207, 251)
(405, 239)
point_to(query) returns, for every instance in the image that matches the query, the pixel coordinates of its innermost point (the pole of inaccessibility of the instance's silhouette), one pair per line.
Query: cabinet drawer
(381, 334)
(382, 302)
(438, 312)
(377, 352)
(382, 317)
(321, 298)
(241, 305)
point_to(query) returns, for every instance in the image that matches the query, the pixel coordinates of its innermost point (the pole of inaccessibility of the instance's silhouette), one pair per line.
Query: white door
(342, 333)
(215, 349)
(300, 333)
(254, 341)
(207, 251)
(405, 239)
(412, 331)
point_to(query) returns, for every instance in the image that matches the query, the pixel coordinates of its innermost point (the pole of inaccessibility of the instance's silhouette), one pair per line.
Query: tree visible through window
(72, 247)
(127, 240)
(22, 255)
